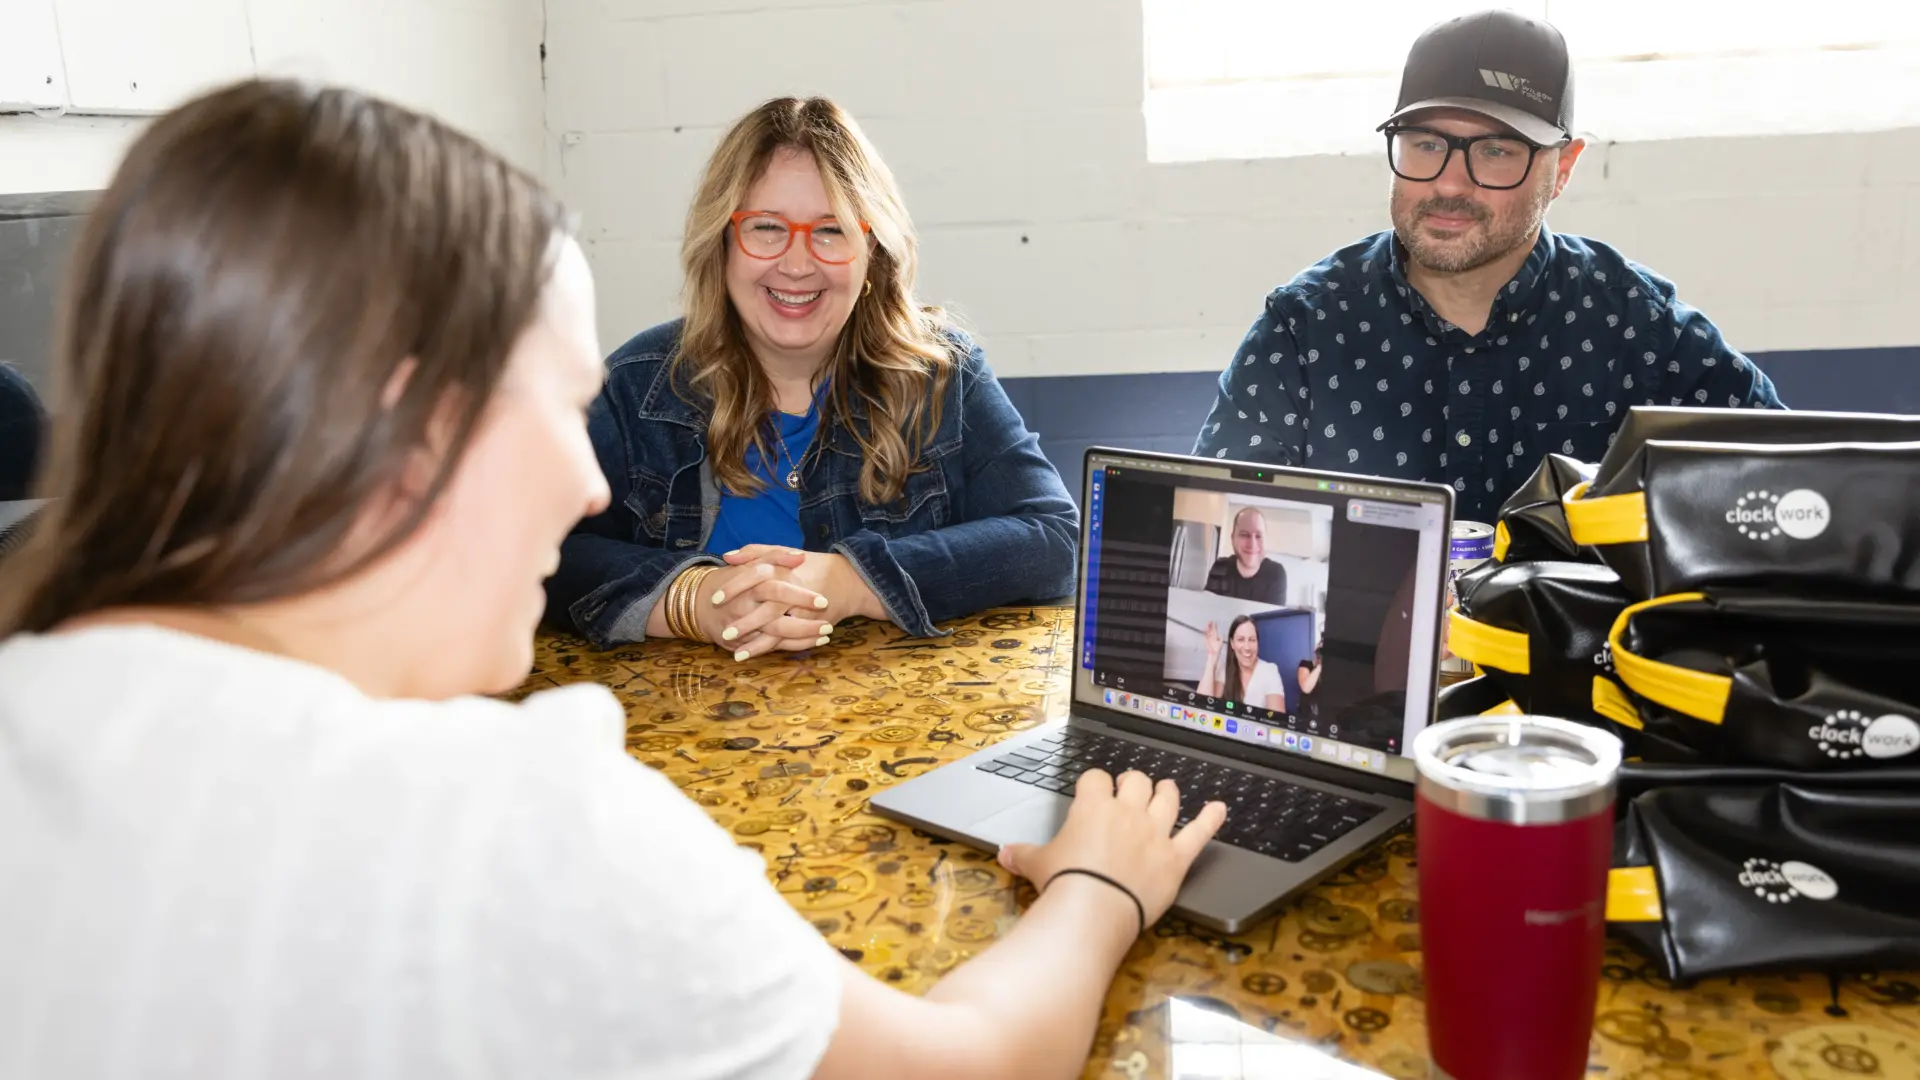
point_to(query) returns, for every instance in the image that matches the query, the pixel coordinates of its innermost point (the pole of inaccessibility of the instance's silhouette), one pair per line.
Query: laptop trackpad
(1029, 821)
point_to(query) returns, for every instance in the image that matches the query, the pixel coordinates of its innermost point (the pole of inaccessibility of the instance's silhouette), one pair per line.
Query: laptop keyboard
(1264, 814)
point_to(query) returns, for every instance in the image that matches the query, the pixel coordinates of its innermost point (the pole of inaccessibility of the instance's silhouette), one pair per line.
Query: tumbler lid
(1519, 769)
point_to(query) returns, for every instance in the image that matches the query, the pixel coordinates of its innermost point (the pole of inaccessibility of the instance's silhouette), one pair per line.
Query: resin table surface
(783, 751)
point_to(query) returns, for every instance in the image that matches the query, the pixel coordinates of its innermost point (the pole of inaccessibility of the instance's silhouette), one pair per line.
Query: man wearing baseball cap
(1468, 340)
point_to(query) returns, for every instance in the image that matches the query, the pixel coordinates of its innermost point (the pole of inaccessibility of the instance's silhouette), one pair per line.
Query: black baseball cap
(1500, 64)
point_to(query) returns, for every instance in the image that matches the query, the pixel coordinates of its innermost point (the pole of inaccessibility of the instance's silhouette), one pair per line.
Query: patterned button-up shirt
(1351, 369)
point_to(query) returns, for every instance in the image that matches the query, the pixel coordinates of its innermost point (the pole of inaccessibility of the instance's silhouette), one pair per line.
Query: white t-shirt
(216, 863)
(1266, 680)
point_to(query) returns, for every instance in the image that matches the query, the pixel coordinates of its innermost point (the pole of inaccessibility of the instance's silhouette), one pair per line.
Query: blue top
(1349, 368)
(773, 516)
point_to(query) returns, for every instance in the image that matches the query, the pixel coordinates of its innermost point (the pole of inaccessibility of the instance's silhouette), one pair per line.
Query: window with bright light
(1273, 78)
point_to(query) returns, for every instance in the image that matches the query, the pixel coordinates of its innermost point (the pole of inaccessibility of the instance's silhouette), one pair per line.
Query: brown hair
(1235, 688)
(267, 259)
(892, 356)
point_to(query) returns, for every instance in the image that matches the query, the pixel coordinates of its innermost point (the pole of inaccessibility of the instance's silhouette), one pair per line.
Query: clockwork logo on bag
(1850, 734)
(1800, 514)
(1784, 882)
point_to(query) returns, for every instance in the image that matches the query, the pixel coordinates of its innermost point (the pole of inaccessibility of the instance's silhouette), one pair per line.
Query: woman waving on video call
(1244, 677)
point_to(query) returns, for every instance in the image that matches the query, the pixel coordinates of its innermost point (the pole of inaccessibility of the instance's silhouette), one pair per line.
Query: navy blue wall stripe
(1163, 411)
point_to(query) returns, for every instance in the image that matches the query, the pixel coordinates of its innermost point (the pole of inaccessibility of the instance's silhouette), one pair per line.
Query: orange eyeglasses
(762, 235)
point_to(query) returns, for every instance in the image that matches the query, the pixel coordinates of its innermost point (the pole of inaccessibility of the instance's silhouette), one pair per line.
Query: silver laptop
(1323, 592)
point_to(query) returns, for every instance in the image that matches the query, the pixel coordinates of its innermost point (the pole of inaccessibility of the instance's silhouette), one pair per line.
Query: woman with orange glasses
(809, 442)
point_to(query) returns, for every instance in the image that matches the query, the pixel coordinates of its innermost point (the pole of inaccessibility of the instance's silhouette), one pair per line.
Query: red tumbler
(1515, 832)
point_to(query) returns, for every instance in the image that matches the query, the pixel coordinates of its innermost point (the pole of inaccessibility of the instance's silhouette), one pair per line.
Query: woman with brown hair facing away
(324, 367)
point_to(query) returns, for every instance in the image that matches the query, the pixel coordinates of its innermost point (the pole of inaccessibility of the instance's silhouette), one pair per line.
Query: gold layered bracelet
(694, 588)
(677, 605)
(683, 604)
(692, 602)
(676, 623)
(689, 607)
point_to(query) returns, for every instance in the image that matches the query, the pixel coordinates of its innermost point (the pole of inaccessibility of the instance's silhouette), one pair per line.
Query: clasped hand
(768, 597)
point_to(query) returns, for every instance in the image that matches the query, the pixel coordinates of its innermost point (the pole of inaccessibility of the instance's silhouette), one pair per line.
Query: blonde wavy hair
(893, 356)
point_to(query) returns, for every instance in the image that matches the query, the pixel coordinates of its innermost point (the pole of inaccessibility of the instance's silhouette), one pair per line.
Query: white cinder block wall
(1015, 128)
(475, 63)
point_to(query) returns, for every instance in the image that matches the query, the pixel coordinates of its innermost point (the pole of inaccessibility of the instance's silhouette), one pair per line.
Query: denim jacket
(985, 521)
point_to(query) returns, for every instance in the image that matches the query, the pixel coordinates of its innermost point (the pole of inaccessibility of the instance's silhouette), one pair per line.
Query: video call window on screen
(1246, 598)
(1298, 608)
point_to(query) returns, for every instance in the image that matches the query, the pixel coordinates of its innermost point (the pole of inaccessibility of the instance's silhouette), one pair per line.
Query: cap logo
(1502, 81)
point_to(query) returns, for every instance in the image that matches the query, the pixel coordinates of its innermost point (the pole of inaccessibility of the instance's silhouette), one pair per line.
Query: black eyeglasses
(1496, 162)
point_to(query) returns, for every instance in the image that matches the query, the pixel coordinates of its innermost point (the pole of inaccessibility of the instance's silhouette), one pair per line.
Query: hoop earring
(868, 291)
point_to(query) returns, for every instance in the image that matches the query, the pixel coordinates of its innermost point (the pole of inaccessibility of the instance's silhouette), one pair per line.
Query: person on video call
(1248, 574)
(1245, 677)
(1308, 674)
(1468, 340)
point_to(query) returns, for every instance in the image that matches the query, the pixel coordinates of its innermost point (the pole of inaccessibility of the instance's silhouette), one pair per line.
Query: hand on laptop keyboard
(1125, 830)
(1265, 814)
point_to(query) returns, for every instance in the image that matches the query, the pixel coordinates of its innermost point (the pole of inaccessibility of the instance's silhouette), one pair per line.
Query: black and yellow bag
(1782, 681)
(1765, 427)
(1539, 632)
(1532, 523)
(1718, 880)
(1639, 777)
(1477, 696)
(1834, 517)
(1774, 823)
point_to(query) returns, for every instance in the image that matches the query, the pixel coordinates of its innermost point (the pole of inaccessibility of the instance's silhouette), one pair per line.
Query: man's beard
(1494, 240)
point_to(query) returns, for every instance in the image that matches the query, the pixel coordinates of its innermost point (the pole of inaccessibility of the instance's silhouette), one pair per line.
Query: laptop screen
(1286, 608)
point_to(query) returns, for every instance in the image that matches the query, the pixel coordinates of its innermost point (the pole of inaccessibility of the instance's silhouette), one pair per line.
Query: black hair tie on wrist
(1098, 876)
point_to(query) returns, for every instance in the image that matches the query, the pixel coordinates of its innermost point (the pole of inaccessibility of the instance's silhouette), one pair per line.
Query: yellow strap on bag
(1486, 646)
(1695, 693)
(1502, 540)
(1612, 702)
(1633, 895)
(1611, 519)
